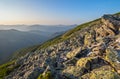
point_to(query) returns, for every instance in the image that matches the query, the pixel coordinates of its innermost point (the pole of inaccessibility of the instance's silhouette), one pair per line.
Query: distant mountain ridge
(88, 51)
(38, 27)
(14, 39)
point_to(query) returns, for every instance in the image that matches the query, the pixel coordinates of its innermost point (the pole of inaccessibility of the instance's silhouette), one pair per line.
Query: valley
(12, 40)
(88, 51)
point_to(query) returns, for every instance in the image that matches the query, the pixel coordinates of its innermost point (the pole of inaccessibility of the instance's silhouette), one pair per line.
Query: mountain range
(15, 39)
(88, 51)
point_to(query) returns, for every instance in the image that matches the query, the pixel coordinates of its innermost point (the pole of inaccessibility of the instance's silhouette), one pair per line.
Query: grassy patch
(24, 51)
(53, 41)
(7, 68)
(80, 27)
(67, 35)
(117, 13)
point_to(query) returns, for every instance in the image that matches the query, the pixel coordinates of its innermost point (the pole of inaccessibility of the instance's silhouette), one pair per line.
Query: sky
(53, 12)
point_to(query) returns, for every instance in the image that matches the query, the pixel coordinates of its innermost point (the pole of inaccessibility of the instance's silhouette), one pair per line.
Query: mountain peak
(89, 51)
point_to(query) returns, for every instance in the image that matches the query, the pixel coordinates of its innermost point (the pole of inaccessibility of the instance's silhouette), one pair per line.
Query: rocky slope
(92, 52)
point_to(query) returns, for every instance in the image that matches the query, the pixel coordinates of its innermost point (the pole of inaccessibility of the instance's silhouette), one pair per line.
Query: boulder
(73, 53)
(104, 72)
(112, 57)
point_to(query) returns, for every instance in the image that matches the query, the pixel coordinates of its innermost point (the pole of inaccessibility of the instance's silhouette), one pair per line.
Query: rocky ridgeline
(91, 53)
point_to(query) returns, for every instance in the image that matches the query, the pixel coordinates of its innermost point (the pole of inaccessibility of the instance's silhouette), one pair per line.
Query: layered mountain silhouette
(12, 40)
(23, 36)
(89, 51)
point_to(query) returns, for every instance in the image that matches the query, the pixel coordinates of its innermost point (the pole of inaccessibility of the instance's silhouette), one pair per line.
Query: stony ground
(90, 53)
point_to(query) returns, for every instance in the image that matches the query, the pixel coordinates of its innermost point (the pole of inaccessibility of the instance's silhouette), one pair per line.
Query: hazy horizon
(36, 27)
(54, 12)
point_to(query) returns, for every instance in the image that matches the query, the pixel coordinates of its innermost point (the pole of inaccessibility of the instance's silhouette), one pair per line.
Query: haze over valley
(59, 39)
(16, 37)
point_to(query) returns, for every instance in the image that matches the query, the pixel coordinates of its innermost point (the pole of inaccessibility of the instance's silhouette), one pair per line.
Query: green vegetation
(67, 35)
(24, 51)
(117, 13)
(47, 75)
(7, 68)
(80, 27)
(53, 41)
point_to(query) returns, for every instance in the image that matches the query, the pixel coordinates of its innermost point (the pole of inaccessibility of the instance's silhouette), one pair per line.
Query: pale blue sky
(55, 11)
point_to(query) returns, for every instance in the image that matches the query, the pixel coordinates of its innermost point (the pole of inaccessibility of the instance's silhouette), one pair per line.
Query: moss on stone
(84, 62)
(104, 75)
(73, 53)
(104, 72)
(87, 39)
(111, 57)
(47, 75)
(73, 71)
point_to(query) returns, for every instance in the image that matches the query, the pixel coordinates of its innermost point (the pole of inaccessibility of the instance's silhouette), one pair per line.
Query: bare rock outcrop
(92, 52)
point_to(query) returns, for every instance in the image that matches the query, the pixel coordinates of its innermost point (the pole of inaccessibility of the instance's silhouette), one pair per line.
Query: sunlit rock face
(90, 53)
